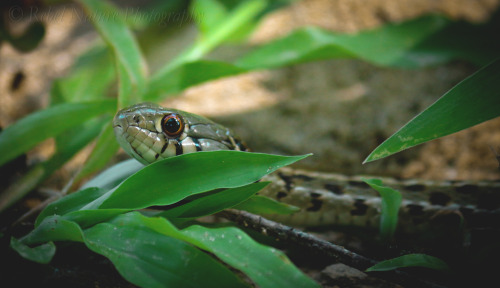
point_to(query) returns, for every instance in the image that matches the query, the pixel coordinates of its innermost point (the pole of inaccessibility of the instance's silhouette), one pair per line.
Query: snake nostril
(136, 119)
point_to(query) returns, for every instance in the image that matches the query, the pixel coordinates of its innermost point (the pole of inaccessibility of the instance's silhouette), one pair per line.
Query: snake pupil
(172, 125)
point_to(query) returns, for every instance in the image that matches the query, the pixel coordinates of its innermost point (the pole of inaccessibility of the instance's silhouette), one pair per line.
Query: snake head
(149, 132)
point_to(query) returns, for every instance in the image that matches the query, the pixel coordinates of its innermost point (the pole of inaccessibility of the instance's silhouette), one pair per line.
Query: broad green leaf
(69, 203)
(131, 67)
(114, 175)
(105, 148)
(40, 172)
(266, 266)
(40, 254)
(429, 40)
(89, 79)
(53, 228)
(258, 204)
(149, 259)
(189, 74)
(36, 127)
(472, 101)
(411, 260)
(391, 202)
(176, 178)
(215, 202)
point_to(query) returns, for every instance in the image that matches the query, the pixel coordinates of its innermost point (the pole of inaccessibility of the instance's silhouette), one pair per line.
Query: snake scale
(149, 132)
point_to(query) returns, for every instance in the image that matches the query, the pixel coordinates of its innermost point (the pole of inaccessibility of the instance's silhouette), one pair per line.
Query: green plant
(107, 204)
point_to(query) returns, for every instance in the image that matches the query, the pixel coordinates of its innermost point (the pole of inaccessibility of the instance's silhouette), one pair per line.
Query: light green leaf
(416, 43)
(114, 175)
(391, 202)
(411, 260)
(176, 178)
(89, 79)
(131, 66)
(40, 254)
(149, 259)
(36, 127)
(472, 101)
(238, 17)
(266, 266)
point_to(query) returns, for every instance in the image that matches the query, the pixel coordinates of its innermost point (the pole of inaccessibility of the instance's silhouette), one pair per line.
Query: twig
(337, 253)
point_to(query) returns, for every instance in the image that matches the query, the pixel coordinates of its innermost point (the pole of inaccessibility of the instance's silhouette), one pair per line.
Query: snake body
(149, 132)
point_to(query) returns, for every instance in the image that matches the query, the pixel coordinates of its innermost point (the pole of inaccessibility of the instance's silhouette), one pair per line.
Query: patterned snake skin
(149, 132)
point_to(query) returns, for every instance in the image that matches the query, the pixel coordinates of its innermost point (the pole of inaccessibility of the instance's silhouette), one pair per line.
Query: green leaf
(429, 40)
(36, 127)
(149, 259)
(87, 218)
(238, 17)
(69, 203)
(411, 260)
(266, 266)
(213, 203)
(37, 174)
(89, 79)
(114, 175)
(391, 202)
(258, 204)
(131, 66)
(40, 254)
(187, 75)
(105, 148)
(472, 101)
(208, 14)
(54, 228)
(176, 178)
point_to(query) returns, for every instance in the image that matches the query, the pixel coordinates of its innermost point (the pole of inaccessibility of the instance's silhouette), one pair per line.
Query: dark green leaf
(53, 228)
(40, 254)
(411, 260)
(266, 266)
(215, 202)
(69, 203)
(149, 259)
(263, 205)
(472, 101)
(391, 202)
(176, 178)
(36, 127)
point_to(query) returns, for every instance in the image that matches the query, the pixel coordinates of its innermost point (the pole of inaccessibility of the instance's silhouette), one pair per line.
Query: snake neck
(328, 199)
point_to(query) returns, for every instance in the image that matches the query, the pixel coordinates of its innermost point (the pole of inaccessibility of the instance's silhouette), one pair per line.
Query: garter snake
(149, 132)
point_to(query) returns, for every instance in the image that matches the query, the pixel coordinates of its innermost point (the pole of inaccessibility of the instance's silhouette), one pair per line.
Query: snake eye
(172, 124)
